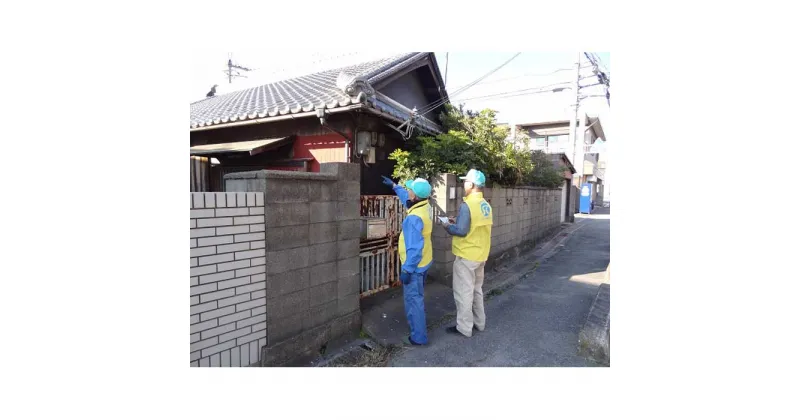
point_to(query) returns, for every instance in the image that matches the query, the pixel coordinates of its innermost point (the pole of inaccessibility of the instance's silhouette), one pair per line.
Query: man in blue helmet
(416, 253)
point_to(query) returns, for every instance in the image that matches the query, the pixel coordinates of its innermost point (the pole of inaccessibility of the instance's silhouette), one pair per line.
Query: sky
(530, 70)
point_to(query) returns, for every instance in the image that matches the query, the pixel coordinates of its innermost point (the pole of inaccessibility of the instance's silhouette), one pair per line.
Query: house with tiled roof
(359, 113)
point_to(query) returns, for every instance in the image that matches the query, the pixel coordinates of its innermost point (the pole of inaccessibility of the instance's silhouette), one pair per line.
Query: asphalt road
(535, 323)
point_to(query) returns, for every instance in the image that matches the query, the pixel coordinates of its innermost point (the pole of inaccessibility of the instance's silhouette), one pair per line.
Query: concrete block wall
(576, 202)
(312, 230)
(227, 292)
(442, 267)
(573, 200)
(521, 216)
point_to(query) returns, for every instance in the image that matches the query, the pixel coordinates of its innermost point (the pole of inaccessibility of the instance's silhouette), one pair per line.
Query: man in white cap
(472, 239)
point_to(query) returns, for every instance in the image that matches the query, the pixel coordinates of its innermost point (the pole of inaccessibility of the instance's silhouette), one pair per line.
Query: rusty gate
(381, 223)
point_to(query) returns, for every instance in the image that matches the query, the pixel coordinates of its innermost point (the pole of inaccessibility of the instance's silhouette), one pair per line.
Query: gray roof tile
(300, 94)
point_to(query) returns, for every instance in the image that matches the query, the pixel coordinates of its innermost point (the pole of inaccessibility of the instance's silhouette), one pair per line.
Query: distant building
(588, 158)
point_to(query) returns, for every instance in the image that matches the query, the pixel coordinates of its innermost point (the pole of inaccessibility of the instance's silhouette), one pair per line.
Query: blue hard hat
(476, 177)
(421, 187)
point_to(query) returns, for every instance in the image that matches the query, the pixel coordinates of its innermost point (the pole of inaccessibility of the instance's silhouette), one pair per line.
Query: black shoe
(453, 330)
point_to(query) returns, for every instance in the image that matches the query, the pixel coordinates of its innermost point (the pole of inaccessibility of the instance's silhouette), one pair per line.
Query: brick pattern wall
(227, 260)
(312, 235)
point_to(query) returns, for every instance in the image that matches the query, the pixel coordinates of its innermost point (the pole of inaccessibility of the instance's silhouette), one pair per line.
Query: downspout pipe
(321, 115)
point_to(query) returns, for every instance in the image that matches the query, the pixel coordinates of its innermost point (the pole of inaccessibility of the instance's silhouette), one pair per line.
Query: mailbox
(373, 228)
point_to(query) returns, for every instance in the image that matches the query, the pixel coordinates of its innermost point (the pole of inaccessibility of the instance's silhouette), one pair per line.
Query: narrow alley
(535, 323)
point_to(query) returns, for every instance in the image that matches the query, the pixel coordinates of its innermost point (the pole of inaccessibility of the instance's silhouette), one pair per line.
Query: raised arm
(401, 192)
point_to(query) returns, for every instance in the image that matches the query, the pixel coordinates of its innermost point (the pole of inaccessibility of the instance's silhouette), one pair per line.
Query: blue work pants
(415, 307)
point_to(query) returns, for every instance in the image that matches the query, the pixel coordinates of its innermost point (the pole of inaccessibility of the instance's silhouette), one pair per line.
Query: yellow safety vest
(475, 246)
(423, 211)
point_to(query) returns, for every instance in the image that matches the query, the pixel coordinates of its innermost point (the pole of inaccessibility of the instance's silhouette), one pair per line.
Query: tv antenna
(234, 70)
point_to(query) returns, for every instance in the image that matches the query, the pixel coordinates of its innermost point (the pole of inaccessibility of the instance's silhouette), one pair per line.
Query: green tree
(474, 140)
(544, 173)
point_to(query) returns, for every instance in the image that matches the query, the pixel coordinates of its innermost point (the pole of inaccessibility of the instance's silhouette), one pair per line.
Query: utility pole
(573, 129)
(231, 67)
(446, 64)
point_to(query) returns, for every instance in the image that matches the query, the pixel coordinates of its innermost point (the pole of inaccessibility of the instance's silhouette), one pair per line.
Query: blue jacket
(412, 233)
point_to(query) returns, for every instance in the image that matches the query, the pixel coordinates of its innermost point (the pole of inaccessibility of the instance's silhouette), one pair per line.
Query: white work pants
(468, 294)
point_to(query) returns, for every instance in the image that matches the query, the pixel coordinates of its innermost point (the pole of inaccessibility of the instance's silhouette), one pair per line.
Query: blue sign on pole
(586, 199)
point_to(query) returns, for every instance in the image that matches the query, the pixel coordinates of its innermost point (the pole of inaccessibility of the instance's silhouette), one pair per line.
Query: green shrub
(474, 140)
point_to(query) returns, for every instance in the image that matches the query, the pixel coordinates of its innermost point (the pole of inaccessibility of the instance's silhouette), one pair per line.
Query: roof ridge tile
(296, 94)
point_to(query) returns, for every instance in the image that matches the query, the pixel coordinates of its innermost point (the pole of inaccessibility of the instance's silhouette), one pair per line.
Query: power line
(525, 75)
(436, 104)
(597, 70)
(430, 107)
(532, 75)
(520, 91)
(601, 75)
(510, 96)
(599, 61)
(501, 95)
(528, 91)
(439, 102)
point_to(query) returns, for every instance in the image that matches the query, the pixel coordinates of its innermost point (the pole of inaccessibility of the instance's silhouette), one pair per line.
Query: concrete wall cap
(309, 176)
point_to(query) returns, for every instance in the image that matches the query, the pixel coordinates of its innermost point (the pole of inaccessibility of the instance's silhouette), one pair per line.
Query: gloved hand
(387, 181)
(405, 277)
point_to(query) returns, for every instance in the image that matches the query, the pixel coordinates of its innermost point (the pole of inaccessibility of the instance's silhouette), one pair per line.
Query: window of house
(541, 141)
(558, 141)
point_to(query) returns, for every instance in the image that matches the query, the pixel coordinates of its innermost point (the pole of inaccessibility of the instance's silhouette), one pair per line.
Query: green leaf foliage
(544, 174)
(474, 140)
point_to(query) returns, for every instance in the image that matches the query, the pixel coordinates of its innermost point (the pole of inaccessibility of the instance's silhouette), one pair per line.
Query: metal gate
(381, 221)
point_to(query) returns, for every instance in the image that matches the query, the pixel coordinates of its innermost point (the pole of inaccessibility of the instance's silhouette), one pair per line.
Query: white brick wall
(228, 325)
